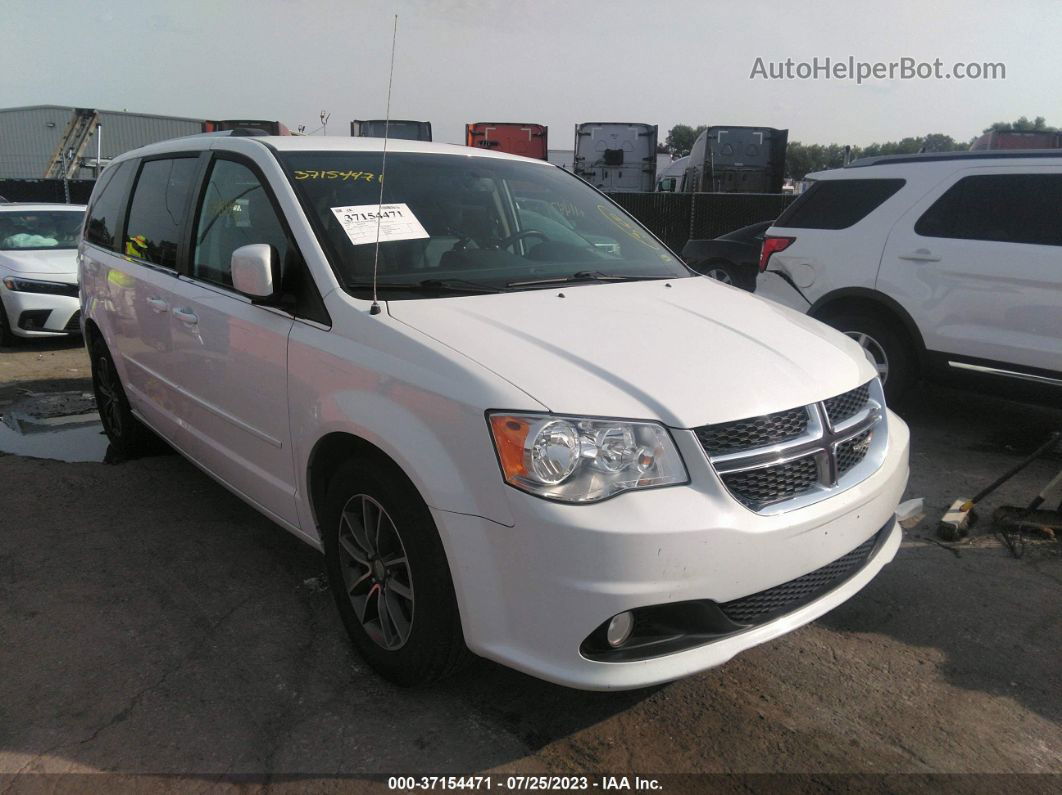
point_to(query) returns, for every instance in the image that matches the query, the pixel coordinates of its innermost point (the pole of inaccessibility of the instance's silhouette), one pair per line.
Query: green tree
(680, 138)
(1021, 124)
(802, 159)
(939, 142)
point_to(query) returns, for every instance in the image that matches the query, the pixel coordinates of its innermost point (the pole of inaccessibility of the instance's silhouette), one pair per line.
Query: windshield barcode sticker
(395, 222)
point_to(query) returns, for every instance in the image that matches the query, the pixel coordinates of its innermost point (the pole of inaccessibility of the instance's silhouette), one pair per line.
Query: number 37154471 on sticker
(393, 222)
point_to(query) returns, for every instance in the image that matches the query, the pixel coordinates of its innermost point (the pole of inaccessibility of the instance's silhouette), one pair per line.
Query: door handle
(186, 316)
(920, 255)
(157, 305)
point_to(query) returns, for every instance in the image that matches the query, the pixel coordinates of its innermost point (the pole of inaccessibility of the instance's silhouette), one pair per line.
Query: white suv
(567, 454)
(940, 265)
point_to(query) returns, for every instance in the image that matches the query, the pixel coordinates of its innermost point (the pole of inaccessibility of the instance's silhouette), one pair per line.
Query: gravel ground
(153, 625)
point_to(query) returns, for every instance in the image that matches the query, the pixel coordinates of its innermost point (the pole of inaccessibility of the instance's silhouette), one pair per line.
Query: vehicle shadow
(994, 621)
(153, 623)
(157, 624)
(44, 344)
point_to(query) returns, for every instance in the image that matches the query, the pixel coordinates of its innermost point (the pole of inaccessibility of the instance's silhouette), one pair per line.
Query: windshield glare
(37, 229)
(467, 221)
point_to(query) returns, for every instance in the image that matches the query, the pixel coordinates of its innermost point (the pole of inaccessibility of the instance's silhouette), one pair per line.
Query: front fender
(427, 417)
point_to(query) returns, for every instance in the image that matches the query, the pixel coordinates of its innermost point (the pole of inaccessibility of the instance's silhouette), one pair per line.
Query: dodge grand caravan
(563, 451)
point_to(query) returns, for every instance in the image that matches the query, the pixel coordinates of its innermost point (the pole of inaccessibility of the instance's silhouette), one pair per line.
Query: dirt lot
(150, 623)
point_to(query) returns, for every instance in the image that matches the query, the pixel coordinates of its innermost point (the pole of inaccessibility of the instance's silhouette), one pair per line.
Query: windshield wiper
(585, 276)
(433, 286)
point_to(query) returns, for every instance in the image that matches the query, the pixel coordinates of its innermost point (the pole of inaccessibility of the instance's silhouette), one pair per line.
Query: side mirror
(256, 270)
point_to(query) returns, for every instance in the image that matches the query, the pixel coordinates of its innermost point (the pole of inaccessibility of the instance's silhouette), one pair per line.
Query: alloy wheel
(720, 275)
(376, 572)
(109, 405)
(874, 352)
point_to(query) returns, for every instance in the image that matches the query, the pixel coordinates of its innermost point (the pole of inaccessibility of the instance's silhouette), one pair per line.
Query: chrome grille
(757, 487)
(774, 428)
(840, 408)
(851, 451)
(792, 458)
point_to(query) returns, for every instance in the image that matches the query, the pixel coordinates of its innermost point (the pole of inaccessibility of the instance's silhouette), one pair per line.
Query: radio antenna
(375, 308)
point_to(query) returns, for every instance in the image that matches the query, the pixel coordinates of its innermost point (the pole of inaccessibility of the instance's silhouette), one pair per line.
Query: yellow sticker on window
(627, 225)
(365, 176)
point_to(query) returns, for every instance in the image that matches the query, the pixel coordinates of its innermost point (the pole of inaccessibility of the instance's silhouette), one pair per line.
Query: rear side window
(158, 209)
(102, 225)
(838, 203)
(1006, 208)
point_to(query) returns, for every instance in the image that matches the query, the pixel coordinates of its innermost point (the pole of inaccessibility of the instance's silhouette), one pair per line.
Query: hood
(688, 354)
(41, 261)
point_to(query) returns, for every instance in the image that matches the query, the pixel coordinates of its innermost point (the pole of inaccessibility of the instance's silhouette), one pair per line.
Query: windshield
(36, 229)
(469, 224)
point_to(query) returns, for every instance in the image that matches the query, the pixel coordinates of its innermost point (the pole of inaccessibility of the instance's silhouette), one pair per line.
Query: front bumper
(530, 594)
(40, 314)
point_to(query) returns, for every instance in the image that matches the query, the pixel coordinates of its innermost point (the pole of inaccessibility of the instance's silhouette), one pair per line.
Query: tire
(128, 436)
(887, 348)
(727, 272)
(7, 337)
(417, 595)
(721, 271)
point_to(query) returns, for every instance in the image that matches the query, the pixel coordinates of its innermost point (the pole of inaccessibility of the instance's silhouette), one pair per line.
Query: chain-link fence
(715, 214)
(678, 217)
(46, 190)
(666, 214)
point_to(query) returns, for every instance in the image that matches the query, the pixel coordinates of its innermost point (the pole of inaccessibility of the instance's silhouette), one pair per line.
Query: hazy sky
(545, 61)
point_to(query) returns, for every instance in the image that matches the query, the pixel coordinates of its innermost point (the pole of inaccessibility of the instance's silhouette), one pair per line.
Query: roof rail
(242, 132)
(935, 157)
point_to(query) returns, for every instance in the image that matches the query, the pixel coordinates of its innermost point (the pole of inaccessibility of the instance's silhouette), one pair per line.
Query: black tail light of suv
(772, 245)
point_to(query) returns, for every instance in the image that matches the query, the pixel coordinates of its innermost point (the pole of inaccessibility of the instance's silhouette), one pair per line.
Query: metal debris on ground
(1014, 523)
(961, 516)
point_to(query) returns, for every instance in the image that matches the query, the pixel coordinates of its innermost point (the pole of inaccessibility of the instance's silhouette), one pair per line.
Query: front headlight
(578, 459)
(17, 285)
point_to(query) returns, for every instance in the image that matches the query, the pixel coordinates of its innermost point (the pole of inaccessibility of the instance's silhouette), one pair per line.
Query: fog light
(619, 629)
(33, 319)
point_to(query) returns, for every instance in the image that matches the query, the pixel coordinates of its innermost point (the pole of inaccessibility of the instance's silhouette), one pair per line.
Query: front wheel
(885, 347)
(389, 575)
(7, 337)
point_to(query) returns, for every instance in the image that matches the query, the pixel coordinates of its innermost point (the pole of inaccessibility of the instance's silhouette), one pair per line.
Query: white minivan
(580, 460)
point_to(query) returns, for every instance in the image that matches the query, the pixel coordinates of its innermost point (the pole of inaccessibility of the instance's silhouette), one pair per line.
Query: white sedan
(38, 270)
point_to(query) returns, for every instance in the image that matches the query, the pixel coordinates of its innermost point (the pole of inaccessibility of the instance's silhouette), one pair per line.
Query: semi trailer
(727, 159)
(515, 138)
(616, 157)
